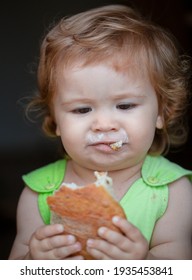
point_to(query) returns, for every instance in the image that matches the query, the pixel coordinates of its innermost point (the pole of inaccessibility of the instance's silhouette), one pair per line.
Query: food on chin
(84, 209)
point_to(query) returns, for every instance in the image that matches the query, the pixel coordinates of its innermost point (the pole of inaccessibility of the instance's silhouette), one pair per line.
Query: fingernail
(90, 242)
(78, 246)
(60, 228)
(101, 230)
(71, 238)
(115, 219)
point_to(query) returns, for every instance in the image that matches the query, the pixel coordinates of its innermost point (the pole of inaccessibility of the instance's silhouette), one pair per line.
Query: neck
(122, 179)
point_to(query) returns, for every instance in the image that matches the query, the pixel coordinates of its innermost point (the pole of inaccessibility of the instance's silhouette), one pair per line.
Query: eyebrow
(128, 95)
(114, 97)
(76, 100)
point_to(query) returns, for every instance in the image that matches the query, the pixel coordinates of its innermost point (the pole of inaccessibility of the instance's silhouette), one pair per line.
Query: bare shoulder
(180, 198)
(28, 220)
(173, 232)
(28, 207)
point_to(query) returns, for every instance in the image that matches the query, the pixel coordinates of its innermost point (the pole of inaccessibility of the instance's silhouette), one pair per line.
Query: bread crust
(83, 210)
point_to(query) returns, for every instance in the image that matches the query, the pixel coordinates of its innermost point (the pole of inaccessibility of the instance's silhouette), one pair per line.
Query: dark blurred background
(23, 147)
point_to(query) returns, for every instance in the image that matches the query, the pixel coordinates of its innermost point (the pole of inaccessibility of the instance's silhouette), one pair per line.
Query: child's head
(120, 37)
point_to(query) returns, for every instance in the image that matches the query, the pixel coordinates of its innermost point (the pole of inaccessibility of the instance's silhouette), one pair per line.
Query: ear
(159, 122)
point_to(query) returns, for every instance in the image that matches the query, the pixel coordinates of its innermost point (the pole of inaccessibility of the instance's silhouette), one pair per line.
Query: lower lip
(104, 148)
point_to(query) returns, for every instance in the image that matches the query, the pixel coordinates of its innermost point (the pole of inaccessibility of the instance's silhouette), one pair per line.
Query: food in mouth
(84, 209)
(117, 145)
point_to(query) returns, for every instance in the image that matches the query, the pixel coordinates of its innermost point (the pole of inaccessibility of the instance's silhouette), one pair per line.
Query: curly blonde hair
(119, 34)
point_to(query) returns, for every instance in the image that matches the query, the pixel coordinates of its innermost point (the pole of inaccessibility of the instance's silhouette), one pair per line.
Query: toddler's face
(96, 106)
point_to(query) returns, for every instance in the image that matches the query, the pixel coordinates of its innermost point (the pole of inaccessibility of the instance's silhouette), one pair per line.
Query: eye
(126, 106)
(83, 110)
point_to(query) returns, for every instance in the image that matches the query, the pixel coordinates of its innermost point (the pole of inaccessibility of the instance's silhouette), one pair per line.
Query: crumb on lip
(117, 145)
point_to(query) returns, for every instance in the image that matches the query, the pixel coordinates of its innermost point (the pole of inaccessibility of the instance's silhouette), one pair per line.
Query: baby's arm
(173, 232)
(34, 240)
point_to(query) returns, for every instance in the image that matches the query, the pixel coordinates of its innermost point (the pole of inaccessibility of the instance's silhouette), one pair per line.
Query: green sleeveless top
(144, 203)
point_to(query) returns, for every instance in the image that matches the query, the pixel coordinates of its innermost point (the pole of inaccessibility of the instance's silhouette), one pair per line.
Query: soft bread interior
(102, 179)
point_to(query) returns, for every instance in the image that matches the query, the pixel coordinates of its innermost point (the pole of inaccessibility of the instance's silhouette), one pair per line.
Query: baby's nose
(104, 122)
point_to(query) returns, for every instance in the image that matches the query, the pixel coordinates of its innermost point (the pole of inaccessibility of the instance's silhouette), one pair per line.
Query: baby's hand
(130, 244)
(50, 243)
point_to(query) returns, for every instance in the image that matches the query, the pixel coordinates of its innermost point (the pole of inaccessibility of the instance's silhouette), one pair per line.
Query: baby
(113, 87)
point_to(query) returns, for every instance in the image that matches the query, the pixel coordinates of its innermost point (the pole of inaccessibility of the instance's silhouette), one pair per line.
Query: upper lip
(105, 143)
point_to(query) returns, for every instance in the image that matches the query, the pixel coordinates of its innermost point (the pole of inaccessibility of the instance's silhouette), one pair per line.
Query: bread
(82, 210)
(117, 145)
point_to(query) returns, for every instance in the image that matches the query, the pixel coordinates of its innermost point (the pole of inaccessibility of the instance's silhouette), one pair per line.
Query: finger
(97, 254)
(129, 230)
(116, 238)
(47, 231)
(57, 241)
(61, 253)
(101, 249)
(78, 257)
(64, 252)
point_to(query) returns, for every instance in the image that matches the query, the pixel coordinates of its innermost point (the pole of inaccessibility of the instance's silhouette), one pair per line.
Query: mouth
(109, 146)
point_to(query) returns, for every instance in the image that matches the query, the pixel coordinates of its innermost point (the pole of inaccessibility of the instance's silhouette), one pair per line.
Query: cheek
(72, 143)
(71, 135)
(143, 130)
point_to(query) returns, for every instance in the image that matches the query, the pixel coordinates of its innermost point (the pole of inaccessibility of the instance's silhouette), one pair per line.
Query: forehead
(120, 63)
(102, 80)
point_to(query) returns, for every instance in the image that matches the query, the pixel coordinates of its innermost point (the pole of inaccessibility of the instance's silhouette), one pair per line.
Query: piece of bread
(82, 210)
(117, 145)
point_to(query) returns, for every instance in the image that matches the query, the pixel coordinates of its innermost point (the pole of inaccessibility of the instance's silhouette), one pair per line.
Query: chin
(106, 166)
